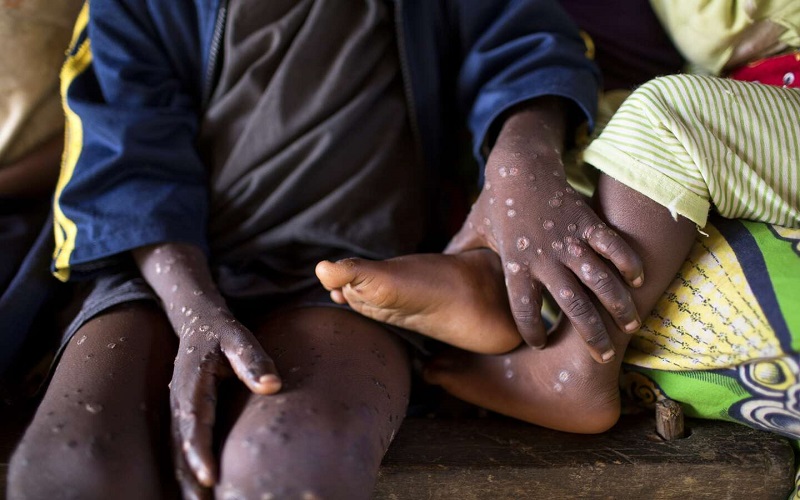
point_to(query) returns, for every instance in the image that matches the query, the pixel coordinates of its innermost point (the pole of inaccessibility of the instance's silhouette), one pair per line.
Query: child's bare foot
(458, 299)
(561, 386)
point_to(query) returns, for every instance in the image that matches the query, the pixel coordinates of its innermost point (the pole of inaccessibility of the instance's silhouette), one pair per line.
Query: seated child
(219, 151)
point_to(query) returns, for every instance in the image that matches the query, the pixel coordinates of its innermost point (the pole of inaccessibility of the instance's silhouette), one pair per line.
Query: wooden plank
(497, 458)
(502, 458)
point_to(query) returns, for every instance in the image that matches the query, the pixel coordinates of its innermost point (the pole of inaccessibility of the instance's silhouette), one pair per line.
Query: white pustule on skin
(575, 250)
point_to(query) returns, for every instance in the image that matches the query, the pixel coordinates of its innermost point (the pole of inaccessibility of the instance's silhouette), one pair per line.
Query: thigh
(98, 430)
(346, 383)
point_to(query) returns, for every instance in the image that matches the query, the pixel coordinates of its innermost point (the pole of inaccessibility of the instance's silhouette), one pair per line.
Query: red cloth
(783, 71)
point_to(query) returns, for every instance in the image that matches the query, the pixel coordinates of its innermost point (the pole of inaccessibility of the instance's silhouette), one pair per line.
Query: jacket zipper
(213, 53)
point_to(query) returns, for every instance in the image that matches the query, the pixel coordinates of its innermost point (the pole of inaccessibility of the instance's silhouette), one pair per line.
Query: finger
(583, 315)
(190, 488)
(525, 300)
(606, 286)
(194, 398)
(250, 362)
(613, 247)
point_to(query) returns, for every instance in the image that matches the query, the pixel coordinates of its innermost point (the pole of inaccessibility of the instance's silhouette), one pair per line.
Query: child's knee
(40, 471)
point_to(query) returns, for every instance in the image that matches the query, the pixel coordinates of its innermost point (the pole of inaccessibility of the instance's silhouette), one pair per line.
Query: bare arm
(212, 342)
(547, 235)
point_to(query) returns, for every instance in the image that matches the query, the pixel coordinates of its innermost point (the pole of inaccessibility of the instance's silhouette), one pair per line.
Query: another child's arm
(546, 233)
(211, 342)
(525, 77)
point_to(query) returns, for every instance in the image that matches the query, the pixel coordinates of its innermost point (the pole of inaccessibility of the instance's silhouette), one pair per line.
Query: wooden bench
(499, 458)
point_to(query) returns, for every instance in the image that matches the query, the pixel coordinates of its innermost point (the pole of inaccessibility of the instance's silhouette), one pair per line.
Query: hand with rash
(547, 235)
(213, 344)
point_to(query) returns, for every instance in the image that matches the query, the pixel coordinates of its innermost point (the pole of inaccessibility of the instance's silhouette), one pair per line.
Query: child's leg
(96, 432)
(561, 386)
(345, 392)
(428, 294)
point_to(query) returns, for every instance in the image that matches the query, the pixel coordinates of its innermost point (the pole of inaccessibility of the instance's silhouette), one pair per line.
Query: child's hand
(546, 234)
(212, 344)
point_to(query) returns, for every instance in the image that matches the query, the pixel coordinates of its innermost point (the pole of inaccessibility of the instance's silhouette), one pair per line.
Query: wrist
(539, 121)
(197, 319)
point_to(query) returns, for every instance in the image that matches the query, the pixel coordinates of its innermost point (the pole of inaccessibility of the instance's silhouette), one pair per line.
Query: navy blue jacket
(139, 73)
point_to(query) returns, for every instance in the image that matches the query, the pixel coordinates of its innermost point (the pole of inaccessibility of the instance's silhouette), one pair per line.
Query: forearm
(180, 275)
(211, 343)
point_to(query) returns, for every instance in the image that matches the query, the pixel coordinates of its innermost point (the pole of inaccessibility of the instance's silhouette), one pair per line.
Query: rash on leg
(346, 383)
(99, 429)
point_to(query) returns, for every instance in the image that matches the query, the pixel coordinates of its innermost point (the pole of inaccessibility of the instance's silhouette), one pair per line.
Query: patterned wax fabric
(724, 340)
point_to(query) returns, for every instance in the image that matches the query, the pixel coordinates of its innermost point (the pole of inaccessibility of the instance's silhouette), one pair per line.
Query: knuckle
(579, 308)
(623, 306)
(596, 338)
(593, 230)
(186, 420)
(615, 250)
(575, 248)
(606, 285)
(525, 315)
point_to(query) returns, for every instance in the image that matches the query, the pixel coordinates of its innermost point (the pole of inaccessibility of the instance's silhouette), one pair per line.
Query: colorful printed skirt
(724, 340)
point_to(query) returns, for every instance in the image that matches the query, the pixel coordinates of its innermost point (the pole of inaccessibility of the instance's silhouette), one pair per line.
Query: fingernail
(632, 326)
(639, 281)
(204, 477)
(608, 355)
(268, 379)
